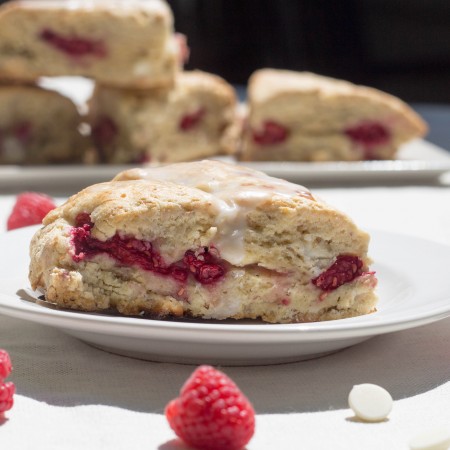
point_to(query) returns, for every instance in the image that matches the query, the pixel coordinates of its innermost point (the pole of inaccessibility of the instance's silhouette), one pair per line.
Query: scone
(194, 120)
(203, 239)
(300, 116)
(38, 126)
(122, 43)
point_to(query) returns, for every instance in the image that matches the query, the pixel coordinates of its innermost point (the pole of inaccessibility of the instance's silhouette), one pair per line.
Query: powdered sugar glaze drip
(234, 193)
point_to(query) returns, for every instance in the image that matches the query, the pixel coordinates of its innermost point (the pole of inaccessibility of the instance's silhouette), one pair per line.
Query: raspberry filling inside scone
(23, 132)
(104, 131)
(204, 265)
(74, 46)
(344, 270)
(369, 135)
(103, 134)
(142, 158)
(270, 133)
(192, 120)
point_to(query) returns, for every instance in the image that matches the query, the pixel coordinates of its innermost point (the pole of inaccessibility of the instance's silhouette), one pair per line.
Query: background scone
(38, 126)
(203, 239)
(122, 43)
(195, 119)
(300, 116)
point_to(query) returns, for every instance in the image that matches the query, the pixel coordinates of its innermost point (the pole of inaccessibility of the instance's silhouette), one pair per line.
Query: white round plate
(414, 290)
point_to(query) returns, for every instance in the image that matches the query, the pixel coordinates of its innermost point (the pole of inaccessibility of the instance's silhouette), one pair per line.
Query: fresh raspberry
(74, 46)
(345, 269)
(5, 364)
(271, 133)
(211, 412)
(190, 121)
(6, 396)
(30, 209)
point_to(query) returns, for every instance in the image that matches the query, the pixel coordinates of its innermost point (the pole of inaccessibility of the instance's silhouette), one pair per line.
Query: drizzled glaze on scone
(233, 192)
(204, 239)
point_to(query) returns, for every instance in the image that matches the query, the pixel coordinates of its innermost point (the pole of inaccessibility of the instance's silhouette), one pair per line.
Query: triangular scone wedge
(207, 240)
(307, 117)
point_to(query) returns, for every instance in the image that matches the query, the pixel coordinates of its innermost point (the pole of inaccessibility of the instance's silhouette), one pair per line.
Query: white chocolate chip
(142, 68)
(436, 439)
(370, 402)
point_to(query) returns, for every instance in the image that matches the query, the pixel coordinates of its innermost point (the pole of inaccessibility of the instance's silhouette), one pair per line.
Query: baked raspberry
(5, 364)
(203, 265)
(271, 133)
(7, 391)
(104, 131)
(345, 269)
(190, 121)
(74, 46)
(211, 412)
(369, 135)
(143, 158)
(22, 131)
(83, 219)
(30, 208)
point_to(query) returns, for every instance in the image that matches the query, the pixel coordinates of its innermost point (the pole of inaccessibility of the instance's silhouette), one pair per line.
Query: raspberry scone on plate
(38, 126)
(207, 240)
(195, 119)
(301, 116)
(122, 43)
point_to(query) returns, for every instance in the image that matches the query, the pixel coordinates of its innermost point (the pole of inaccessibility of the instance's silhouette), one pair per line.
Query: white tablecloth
(72, 396)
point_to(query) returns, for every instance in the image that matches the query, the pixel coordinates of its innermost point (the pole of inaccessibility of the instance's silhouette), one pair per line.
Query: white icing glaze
(234, 192)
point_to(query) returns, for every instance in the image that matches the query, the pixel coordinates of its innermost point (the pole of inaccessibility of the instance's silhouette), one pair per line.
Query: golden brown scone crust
(272, 238)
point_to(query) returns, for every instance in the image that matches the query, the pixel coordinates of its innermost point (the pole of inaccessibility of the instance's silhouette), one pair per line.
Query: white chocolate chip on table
(370, 402)
(435, 439)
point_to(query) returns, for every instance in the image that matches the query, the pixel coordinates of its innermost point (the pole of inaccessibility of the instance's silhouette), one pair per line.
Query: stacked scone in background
(144, 108)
